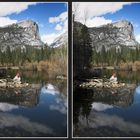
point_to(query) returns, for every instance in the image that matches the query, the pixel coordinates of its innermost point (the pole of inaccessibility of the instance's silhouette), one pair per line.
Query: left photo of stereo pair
(33, 69)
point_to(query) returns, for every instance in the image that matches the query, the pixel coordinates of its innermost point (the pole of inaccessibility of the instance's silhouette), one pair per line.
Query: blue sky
(51, 17)
(99, 13)
(130, 13)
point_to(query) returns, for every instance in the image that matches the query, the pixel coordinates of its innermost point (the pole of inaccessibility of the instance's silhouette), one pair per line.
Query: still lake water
(101, 113)
(39, 111)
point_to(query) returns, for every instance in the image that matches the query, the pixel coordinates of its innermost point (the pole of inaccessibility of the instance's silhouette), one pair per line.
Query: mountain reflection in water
(106, 113)
(37, 111)
(24, 97)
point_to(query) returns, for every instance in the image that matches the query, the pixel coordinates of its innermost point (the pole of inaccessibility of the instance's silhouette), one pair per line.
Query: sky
(52, 18)
(100, 13)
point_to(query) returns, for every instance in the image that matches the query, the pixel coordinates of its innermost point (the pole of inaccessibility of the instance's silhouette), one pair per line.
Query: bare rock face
(20, 34)
(113, 35)
(60, 40)
(31, 31)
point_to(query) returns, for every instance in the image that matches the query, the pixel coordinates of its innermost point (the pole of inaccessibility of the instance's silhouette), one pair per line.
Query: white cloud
(99, 8)
(60, 108)
(98, 120)
(53, 19)
(49, 89)
(138, 38)
(95, 9)
(9, 120)
(6, 21)
(101, 106)
(58, 27)
(49, 38)
(7, 107)
(61, 21)
(60, 104)
(97, 21)
(65, 26)
(7, 8)
(62, 17)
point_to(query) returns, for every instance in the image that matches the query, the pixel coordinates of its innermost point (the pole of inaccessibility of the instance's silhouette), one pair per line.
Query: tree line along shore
(50, 60)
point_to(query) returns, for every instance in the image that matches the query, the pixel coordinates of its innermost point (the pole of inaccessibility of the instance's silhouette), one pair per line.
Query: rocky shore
(103, 83)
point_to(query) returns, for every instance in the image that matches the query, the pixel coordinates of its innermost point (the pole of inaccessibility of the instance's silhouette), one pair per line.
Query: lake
(38, 111)
(103, 113)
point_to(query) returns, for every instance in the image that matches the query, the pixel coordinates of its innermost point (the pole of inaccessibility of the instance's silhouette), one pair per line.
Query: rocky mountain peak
(27, 23)
(122, 24)
(113, 35)
(24, 33)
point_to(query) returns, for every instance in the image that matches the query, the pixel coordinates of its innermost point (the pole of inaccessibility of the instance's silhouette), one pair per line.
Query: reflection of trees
(24, 97)
(119, 97)
(82, 104)
(83, 99)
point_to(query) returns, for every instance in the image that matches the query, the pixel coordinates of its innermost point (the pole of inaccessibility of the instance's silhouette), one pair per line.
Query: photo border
(50, 1)
(94, 1)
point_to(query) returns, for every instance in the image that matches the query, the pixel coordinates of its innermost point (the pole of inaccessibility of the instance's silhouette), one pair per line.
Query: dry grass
(136, 66)
(52, 68)
(130, 66)
(30, 66)
(125, 66)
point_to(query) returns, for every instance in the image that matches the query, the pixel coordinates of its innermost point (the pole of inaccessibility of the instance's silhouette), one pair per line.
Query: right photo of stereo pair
(106, 69)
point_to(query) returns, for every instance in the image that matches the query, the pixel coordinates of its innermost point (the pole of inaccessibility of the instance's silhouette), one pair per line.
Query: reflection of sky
(118, 120)
(49, 89)
(114, 120)
(7, 107)
(8, 120)
(60, 103)
(97, 120)
(137, 95)
(54, 107)
(137, 90)
(101, 106)
(47, 118)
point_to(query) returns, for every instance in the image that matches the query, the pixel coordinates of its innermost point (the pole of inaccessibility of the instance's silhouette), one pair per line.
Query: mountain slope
(113, 35)
(60, 40)
(20, 34)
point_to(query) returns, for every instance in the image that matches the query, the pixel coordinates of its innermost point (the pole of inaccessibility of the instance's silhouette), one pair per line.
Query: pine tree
(82, 51)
